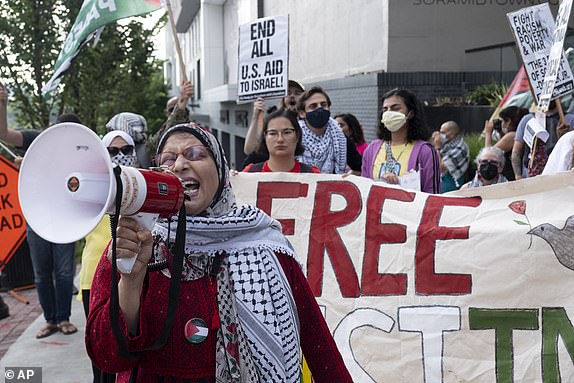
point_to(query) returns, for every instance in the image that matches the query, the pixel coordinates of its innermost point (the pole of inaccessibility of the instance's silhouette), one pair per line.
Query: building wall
(356, 50)
(330, 39)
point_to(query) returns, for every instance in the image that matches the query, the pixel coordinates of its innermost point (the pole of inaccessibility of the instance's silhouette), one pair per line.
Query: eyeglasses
(285, 133)
(192, 153)
(126, 150)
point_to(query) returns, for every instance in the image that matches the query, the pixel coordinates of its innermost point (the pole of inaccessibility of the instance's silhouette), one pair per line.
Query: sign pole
(560, 110)
(14, 155)
(176, 41)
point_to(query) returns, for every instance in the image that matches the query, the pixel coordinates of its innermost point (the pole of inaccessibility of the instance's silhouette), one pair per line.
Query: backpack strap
(305, 168)
(256, 168)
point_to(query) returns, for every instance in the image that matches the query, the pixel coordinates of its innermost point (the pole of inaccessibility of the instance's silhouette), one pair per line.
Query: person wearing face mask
(454, 156)
(402, 147)
(326, 146)
(53, 263)
(244, 311)
(121, 148)
(136, 126)
(489, 163)
(509, 117)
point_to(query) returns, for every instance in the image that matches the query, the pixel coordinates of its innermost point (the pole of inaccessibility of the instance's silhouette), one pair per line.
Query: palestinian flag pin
(195, 330)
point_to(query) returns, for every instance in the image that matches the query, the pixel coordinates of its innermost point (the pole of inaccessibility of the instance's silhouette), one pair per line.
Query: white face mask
(393, 121)
(443, 139)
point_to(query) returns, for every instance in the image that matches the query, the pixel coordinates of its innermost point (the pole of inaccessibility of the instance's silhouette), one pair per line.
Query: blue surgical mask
(318, 118)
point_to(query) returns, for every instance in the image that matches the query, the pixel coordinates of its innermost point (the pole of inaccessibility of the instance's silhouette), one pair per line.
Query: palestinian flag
(93, 15)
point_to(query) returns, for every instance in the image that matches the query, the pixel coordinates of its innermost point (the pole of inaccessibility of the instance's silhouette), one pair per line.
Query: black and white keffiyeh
(455, 155)
(328, 152)
(133, 124)
(120, 158)
(258, 340)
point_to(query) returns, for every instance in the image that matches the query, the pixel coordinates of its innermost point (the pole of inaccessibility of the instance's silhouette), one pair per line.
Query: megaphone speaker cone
(65, 183)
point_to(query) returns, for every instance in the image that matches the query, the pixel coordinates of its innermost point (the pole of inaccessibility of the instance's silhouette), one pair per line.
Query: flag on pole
(93, 15)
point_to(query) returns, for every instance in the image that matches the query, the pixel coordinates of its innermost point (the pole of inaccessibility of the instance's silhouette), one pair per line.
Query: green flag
(93, 15)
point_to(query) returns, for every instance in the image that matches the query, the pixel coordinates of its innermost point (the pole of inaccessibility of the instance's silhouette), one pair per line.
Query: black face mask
(488, 171)
(318, 118)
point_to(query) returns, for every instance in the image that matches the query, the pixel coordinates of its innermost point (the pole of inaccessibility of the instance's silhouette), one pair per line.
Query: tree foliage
(119, 74)
(31, 34)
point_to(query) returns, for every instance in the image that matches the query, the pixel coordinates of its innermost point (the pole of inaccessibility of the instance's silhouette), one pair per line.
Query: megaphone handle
(145, 220)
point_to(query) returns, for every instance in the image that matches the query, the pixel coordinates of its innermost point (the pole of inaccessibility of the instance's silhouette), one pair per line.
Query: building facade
(355, 49)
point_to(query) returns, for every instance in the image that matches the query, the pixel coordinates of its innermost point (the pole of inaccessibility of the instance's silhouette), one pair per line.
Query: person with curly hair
(403, 144)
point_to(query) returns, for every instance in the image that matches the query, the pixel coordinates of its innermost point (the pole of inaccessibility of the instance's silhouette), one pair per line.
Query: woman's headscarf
(120, 158)
(254, 298)
(224, 198)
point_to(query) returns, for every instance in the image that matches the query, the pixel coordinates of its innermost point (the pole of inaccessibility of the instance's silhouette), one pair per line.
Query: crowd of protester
(298, 135)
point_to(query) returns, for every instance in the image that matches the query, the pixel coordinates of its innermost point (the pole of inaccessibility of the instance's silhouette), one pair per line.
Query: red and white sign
(12, 223)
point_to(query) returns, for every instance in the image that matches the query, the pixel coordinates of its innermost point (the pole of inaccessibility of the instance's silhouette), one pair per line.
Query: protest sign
(536, 128)
(263, 68)
(472, 286)
(556, 55)
(93, 15)
(12, 224)
(533, 30)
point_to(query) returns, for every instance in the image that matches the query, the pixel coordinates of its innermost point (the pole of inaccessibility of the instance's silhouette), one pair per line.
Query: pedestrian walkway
(62, 357)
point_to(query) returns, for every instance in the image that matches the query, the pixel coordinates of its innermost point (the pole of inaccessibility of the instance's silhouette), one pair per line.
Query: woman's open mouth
(190, 188)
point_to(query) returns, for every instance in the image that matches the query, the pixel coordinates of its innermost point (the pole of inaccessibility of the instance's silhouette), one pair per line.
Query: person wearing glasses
(121, 148)
(136, 126)
(245, 308)
(489, 163)
(281, 141)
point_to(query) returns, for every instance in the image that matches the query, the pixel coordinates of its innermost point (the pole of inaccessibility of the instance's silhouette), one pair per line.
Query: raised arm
(10, 136)
(254, 132)
(516, 159)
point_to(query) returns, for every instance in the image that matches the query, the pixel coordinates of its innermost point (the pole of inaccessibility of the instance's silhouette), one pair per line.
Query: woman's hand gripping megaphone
(134, 244)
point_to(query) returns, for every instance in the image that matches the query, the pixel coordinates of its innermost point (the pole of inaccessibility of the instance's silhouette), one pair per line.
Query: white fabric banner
(471, 286)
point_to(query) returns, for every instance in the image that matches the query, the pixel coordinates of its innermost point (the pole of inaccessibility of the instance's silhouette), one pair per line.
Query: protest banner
(93, 15)
(471, 286)
(533, 30)
(263, 68)
(556, 57)
(12, 224)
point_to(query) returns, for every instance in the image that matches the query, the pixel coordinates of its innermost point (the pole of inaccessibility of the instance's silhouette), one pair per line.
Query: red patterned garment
(183, 361)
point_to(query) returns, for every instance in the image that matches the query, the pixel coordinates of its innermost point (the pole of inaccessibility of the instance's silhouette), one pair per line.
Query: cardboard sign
(536, 128)
(263, 69)
(556, 55)
(12, 223)
(533, 30)
(473, 286)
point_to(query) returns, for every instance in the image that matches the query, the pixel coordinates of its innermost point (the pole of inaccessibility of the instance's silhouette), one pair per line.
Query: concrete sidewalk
(62, 357)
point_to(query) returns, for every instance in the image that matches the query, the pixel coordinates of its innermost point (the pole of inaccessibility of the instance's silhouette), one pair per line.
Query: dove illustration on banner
(560, 240)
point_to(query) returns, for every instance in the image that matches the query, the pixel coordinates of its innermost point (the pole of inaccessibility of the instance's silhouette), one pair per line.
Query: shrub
(489, 94)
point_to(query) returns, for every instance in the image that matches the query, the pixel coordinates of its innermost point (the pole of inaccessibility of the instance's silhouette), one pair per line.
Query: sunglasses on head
(126, 150)
(191, 153)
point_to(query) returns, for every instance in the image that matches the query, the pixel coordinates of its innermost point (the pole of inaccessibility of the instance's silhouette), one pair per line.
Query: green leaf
(520, 222)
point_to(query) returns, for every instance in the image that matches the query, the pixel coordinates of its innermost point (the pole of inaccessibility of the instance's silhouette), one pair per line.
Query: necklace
(402, 151)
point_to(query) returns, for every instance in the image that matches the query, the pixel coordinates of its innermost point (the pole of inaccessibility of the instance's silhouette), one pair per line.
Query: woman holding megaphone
(245, 309)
